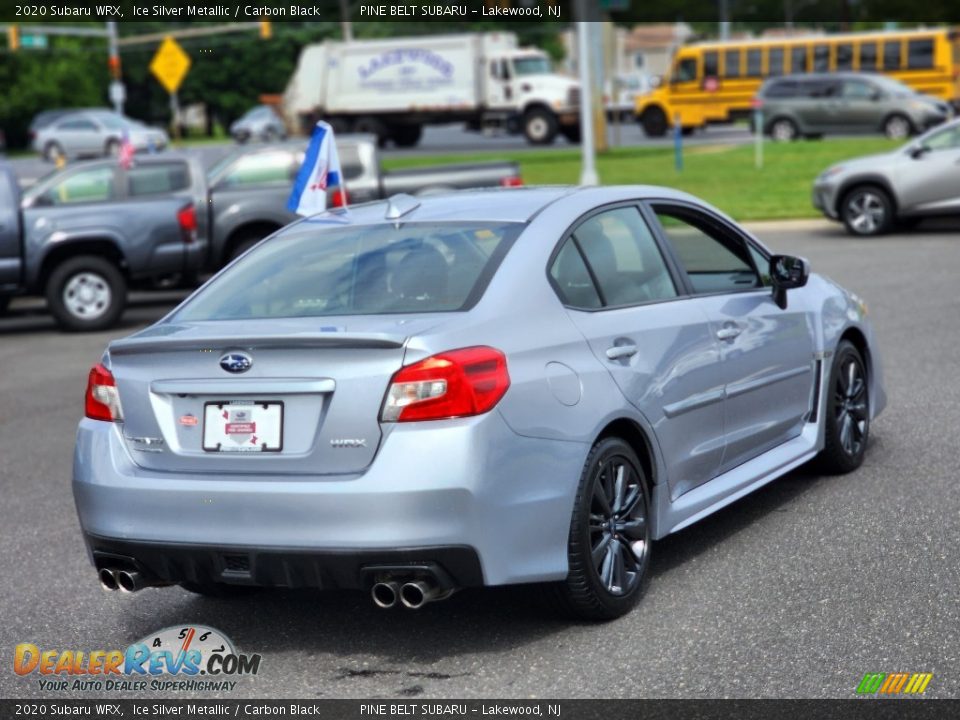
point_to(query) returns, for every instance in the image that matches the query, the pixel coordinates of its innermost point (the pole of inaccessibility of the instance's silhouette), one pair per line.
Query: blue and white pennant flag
(320, 170)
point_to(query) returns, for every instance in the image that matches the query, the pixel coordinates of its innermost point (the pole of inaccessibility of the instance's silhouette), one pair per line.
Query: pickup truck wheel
(86, 293)
(52, 152)
(540, 126)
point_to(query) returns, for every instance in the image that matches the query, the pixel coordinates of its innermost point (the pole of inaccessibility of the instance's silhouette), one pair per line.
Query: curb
(774, 225)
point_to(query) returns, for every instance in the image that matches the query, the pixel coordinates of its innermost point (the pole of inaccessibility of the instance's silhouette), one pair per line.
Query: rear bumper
(470, 483)
(280, 567)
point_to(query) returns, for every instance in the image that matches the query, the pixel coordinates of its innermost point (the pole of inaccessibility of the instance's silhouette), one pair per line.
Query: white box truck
(393, 87)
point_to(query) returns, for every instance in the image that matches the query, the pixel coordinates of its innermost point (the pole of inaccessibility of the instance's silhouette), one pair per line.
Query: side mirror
(877, 95)
(786, 273)
(656, 81)
(918, 151)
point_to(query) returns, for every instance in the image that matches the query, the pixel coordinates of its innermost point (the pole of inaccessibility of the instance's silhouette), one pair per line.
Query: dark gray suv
(818, 103)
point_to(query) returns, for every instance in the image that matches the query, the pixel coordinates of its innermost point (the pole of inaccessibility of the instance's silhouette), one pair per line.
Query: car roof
(493, 204)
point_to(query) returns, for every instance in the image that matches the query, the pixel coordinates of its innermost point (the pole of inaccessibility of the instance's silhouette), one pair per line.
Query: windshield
(320, 270)
(113, 122)
(532, 66)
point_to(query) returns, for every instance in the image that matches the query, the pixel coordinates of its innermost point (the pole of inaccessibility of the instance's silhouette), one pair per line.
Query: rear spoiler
(214, 343)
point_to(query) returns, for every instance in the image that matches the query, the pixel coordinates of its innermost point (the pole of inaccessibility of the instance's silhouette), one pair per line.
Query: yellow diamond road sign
(170, 64)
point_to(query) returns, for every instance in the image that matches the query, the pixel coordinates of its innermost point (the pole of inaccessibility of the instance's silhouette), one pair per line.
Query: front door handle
(621, 351)
(728, 333)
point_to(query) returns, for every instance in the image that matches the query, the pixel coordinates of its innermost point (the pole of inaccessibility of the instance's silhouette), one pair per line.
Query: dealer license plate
(243, 426)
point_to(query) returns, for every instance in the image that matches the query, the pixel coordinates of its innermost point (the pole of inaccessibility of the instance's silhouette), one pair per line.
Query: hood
(557, 85)
(865, 162)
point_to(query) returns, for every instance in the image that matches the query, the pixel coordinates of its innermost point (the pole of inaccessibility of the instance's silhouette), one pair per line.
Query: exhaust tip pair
(127, 581)
(412, 595)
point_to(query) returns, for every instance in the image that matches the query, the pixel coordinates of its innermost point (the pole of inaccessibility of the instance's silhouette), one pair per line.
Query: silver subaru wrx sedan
(513, 386)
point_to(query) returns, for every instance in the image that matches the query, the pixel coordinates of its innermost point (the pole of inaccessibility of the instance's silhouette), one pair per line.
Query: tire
(52, 152)
(86, 293)
(244, 243)
(112, 148)
(867, 211)
(898, 127)
(783, 130)
(540, 127)
(572, 134)
(654, 122)
(221, 591)
(372, 126)
(611, 586)
(406, 135)
(847, 413)
(4, 304)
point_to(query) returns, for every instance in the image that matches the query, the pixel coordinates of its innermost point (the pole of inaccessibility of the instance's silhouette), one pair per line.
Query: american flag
(125, 156)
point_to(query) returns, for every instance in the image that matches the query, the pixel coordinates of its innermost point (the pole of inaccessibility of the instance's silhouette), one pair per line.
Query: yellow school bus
(716, 81)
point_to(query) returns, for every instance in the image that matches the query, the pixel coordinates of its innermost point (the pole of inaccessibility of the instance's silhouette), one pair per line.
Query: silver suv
(918, 180)
(818, 103)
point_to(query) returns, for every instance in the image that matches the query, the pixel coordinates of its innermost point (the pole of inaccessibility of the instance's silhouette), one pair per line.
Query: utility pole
(588, 173)
(345, 25)
(724, 19)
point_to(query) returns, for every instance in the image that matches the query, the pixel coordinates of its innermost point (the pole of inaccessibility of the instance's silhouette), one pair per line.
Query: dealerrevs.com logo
(898, 683)
(184, 658)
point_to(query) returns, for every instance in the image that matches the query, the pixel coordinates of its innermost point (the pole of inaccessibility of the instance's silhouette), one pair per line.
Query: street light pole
(117, 94)
(588, 174)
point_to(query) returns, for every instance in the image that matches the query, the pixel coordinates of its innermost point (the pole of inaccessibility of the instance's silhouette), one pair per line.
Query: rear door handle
(621, 351)
(728, 333)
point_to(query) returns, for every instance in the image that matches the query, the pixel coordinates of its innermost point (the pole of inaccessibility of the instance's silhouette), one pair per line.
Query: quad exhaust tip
(108, 579)
(414, 595)
(385, 594)
(126, 581)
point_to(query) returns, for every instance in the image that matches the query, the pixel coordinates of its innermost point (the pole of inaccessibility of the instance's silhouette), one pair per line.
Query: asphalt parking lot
(794, 591)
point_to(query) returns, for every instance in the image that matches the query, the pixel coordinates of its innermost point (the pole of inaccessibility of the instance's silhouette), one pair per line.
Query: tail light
(103, 400)
(512, 181)
(187, 219)
(339, 198)
(458, 383)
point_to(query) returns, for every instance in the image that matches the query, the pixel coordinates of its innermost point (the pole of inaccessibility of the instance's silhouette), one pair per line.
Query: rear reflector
(187, 219)
(103, 400)
(512, 181)
(458, 383)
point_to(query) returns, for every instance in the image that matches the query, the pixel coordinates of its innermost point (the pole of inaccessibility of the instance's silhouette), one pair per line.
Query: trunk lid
(313, 393)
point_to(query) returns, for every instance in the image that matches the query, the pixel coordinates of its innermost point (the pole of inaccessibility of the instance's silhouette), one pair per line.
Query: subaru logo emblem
(236, 362)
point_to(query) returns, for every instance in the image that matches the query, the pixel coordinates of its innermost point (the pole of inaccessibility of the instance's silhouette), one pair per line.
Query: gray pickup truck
(249, 188)
(81, 236)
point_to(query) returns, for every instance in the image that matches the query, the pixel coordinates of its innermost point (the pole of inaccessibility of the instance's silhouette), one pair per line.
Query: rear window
(157, 178)
(782, 89)
(368, 270)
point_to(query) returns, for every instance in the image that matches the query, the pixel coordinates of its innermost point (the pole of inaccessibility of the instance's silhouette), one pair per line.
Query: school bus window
(845, 56)
(754, 66)
(775, 61)
(731, 63)
(891, 55)
(821, 58)
(798, 59)
(868, 56)
(711, 64)
(920, 54)
(686, 70)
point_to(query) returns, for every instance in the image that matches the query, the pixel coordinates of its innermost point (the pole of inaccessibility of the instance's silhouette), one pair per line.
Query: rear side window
(731, 63)
(920, 54)
(157, 178)
(572, 280)
(318, 270)
(82, 125)
(782, 90)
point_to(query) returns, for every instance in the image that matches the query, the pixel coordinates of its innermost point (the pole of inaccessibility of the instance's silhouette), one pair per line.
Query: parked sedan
(259, 123)
(820, 103)
(869, 194)
(94, 133)
(481, 388)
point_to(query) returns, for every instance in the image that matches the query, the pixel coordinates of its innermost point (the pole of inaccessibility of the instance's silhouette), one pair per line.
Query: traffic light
(266, 30)
(114, 64)
(13, 37)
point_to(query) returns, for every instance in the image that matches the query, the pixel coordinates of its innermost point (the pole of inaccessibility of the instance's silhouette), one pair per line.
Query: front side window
(686, 70)
(266, 168)
(532, 66)
(947, 139)
(715, 259)
(858, 90)
(318, 270)
(94, 185)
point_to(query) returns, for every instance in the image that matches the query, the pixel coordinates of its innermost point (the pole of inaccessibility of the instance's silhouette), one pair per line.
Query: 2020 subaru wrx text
(481, 388)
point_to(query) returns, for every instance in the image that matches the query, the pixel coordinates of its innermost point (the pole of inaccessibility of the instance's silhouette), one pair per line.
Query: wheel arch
(537, 105)
(856, 337)
(103, 247)
(243, 231)
(630, 432)
(859, 181)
